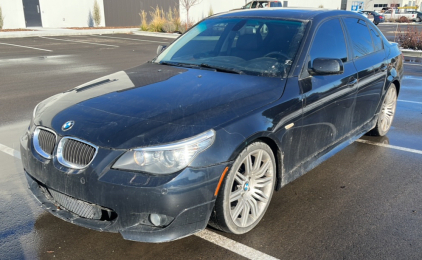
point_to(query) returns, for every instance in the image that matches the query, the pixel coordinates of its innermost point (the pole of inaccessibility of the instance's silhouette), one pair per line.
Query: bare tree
(368, 5)
(187, 4)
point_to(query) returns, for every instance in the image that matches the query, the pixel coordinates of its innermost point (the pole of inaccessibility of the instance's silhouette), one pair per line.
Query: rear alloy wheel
(418, 19)
(386, 115)
(246, 191)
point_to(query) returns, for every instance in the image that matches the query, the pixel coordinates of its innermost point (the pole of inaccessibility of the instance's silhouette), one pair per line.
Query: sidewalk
(63, 32)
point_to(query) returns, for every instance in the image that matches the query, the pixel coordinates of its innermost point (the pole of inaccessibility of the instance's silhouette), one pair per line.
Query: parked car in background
(397, 14)
(385, 9)
(262, 4)
(237, 107)
(375, 17)
(418, 15)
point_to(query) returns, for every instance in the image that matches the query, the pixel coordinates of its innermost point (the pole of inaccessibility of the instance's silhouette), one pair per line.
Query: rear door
(328, 112)
(369, 59)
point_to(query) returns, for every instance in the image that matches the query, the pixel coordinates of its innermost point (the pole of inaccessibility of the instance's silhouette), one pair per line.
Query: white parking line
(79, 41)
(409, 101)
(27, 47)
(233, 246)
(10, 151)
(390, 146)
(139, 40)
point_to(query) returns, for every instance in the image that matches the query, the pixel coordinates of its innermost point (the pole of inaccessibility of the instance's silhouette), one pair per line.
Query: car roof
(286, 13)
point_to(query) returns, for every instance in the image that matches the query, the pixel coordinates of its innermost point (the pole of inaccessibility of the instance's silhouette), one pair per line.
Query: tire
(418, 19)
(245, 190)
(387, 112)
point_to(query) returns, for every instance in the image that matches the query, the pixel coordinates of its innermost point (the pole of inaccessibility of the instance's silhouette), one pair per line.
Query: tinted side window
(376, 37)
(359, 34)
(329, 42)
(254, 4)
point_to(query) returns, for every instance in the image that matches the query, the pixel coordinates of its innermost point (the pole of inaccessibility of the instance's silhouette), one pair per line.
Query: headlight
(165, 159)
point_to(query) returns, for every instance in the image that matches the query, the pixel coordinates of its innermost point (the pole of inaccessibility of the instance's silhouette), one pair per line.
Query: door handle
(352, 82)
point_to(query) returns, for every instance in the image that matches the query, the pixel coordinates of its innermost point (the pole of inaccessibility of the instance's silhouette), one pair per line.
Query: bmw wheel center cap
(68, 125)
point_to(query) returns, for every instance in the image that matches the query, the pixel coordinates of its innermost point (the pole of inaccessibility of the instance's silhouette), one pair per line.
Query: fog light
(158, 219)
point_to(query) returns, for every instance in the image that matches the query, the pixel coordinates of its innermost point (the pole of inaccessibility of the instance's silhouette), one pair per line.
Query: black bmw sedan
(236, 108)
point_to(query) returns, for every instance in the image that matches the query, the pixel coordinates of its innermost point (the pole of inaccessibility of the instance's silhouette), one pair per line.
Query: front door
(32, 13)
(330, 99)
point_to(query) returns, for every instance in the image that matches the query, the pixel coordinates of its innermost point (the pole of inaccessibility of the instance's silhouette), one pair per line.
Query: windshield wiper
(203, 65)
(178, 64)
(221, 69)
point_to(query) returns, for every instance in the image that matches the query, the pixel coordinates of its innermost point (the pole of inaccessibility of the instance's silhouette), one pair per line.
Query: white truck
(397, 14)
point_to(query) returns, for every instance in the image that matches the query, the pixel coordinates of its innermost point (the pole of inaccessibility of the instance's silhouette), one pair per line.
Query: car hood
(154, 104)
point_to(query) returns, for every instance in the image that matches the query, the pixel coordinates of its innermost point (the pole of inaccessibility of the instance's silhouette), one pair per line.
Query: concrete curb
(63, 32)
(157, 34)
(412, 53)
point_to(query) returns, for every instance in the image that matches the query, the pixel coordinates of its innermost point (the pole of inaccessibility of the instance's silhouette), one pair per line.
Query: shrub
(411, 38)
(97, 14)
(403, 19)
(1, 19)
(144, 24)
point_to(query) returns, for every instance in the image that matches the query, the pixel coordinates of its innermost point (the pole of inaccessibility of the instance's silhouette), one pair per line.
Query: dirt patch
(16, 30)
(92, 28)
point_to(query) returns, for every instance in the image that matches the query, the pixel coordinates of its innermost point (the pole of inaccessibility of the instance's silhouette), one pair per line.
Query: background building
(377, 5)
(78, 13)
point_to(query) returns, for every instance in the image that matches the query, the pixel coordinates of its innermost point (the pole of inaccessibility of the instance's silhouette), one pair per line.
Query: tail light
(381, 17)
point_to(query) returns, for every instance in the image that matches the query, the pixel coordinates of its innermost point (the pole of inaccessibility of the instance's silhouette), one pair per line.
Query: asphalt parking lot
(362, 203)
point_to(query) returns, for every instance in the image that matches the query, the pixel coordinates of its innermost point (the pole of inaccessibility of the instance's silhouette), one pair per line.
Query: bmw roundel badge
(68, 125)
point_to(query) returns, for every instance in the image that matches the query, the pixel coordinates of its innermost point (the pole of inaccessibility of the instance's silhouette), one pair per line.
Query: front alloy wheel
(246, 191)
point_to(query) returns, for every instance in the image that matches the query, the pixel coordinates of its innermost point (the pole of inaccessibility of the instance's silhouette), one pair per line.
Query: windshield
(260, 47)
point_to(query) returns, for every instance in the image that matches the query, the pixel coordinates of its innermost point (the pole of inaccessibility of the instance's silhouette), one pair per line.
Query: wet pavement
(362, 203)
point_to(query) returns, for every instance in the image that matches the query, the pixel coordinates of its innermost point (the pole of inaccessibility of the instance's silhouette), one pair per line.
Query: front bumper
(187, 198)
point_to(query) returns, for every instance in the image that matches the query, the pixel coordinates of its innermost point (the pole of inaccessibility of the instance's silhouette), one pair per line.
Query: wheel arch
(396, 82)
(269, 140)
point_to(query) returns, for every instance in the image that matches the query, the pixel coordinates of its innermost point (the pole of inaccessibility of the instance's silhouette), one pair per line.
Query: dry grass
(162, 21)
(144, 24)
(158, 20)
(211, 11)
(1, 19)
(97, 14)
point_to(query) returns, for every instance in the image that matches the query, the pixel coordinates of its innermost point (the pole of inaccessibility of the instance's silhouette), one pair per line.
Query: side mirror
(325, 66)
(161, 48)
